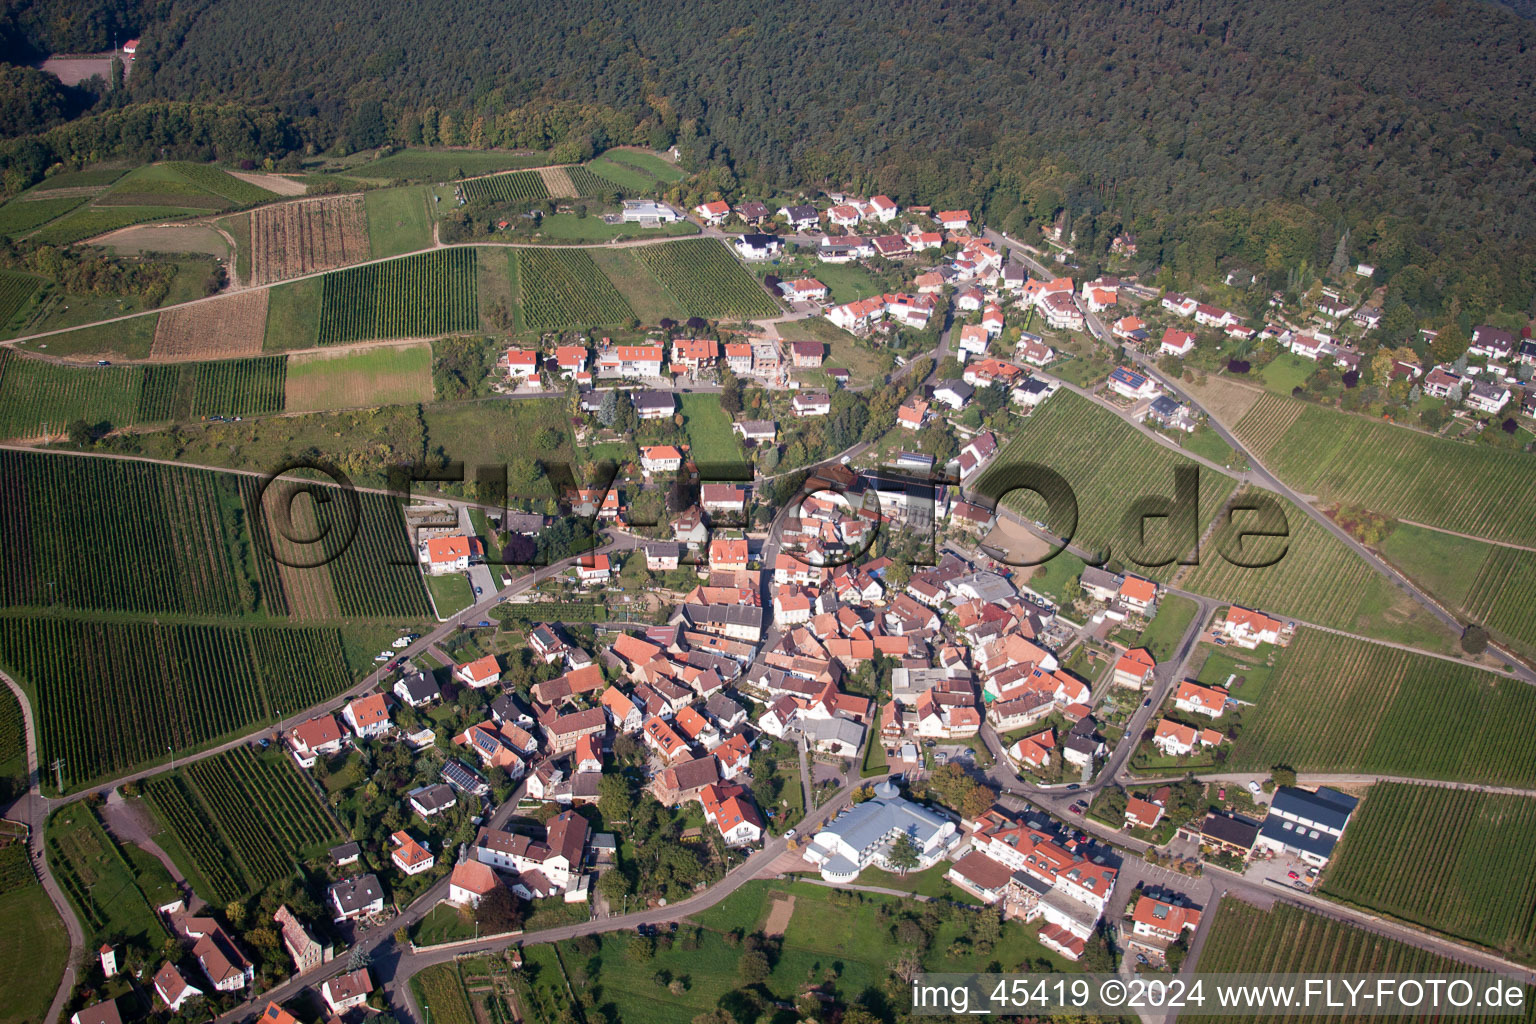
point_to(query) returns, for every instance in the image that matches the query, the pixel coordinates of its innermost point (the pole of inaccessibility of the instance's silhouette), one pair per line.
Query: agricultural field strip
(1408, 716)
(426, 294)
(706, 279)
(1455, 861)
(1070, 434)
(565, 288)
(1394, 470)
(308, 236)
(1287, 939)
(113, 696)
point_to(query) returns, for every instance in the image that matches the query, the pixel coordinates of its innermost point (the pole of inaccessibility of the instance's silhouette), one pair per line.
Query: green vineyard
(564, 288)
(428, 294)
(181, 815)
(1069, 435)
(516, 187)
(39, 399)
(1401, 472)
(15, 290)
(268, 838)
(109, 535)
(1316, 579)
(222, 183)
(239, 387)
(706, 279)
(1455, 861)
(1409, 715)
(1289, 940)
(588, 184)
(113, 696)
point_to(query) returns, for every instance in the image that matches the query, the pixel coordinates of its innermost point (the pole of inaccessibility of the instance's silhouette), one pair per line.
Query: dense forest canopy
(1217, 131)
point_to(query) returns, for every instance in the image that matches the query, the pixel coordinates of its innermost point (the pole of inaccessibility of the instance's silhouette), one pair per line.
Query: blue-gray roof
(1327, 807)
(868, 823)
(1299, 837)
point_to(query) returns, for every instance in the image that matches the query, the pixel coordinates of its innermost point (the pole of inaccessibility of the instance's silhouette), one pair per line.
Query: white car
(1255, 788)
(381, 656)
(846, 459)
(402, 642)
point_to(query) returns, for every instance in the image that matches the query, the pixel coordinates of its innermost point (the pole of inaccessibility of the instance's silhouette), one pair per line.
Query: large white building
(863, 835)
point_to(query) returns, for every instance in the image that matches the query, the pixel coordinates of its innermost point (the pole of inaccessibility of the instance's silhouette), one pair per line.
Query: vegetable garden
(1455, 861)
(113, 696)
(1401, 472)
(1287, 939)
(427, 294)
(1409, 715)
(515, 187)
(564, 288)
(706, 279)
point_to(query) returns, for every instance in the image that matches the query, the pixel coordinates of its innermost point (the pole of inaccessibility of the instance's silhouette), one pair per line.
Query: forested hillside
(1217, 131)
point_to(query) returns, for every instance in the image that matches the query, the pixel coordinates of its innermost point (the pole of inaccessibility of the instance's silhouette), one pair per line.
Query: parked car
(1255, 788)
(1147, 703)
(1141, 958)
(1292, 875)
(1218, 641)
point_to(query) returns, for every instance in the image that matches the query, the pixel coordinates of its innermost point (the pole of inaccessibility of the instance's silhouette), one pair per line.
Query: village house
(730, 809)
(800, 217)
(1177, 343)
(694, 354)
(479, 673)
(1193, 698)
(811, 403)
(713, 213)
(368, 717)
(470, 882)
(520, 364)
(1130, 384)
(359, 896)
(660, 459)
(634, 361)
(449, 554)
(316, 738)
(1248, 629)
(1134, 668)
(302, 948)
(173, 989)
(593, 568)
(345, 991)
(1162, 922)
(410, 856)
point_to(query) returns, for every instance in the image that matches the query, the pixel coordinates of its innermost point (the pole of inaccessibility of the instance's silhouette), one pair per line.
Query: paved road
(32, 809)
(1341, 779)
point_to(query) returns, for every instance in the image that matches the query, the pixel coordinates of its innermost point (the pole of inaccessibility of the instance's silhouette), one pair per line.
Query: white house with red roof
(447, 554)
(368, 717)
(912, 413)
(1248, 629)
(479, 673)
(593, 568)
(973, 341)
(1161, 921)
(318, 737)
(571, 359)
(410, 856)
(1177, 343)
(660, 458)
(520, 363)
(954, 220)
(1134, 668)
(173, 989)
(884, 209)
(729, 808)
(713, 213)
(1192, 698)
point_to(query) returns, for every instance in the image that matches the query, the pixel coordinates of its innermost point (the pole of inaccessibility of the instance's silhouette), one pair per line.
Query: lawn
(492, 431)
(831, 934)
(710, 438)
(568, 227)
(397, 221)
(55, 308)
(635, 171)
(33, 950)
(1493, 585)
(125, 339)
(1164, 632)
(864, 362)
(293, 315)
(98, 879)
(451, 593)
(1208, 444)
(847, 281)
(1057, 578)
(386, 375)
(444, 923)
(1247, 674)
(1286, 372)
